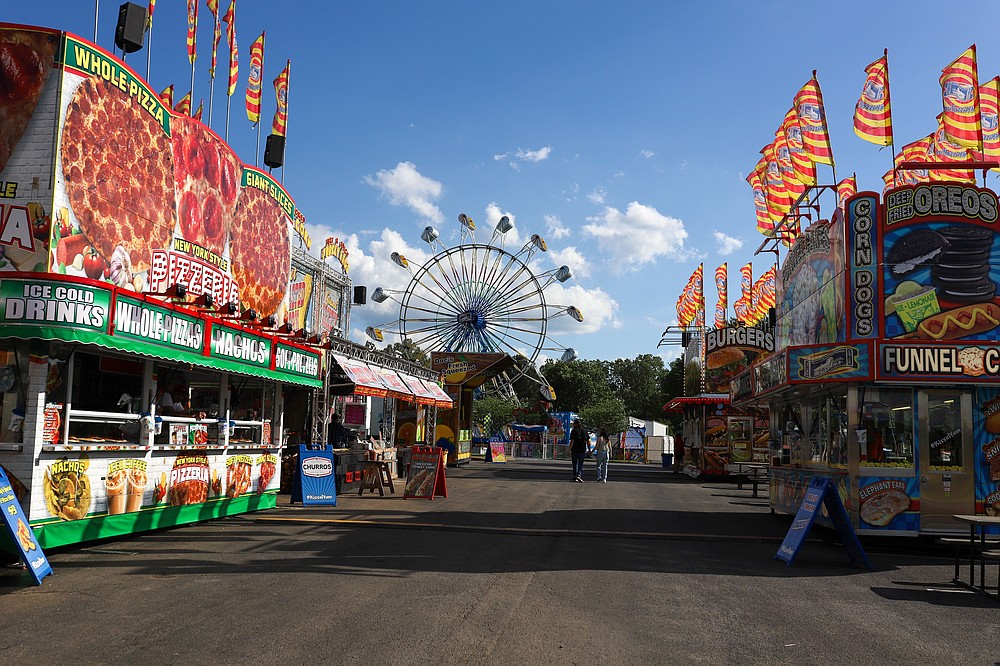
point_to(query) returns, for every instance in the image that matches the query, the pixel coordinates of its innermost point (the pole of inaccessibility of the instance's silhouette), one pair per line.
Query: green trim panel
(53, 535)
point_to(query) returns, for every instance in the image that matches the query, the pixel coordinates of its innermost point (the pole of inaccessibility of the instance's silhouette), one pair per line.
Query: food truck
(715, 432)
(885, 375)
(147, 353)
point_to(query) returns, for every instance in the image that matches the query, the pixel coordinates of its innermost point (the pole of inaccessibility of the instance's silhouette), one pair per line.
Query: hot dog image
(960, 322)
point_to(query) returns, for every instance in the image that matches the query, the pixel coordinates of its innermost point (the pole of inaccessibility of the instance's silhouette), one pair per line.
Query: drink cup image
(137, 480)
(915, 306)
(115, 484)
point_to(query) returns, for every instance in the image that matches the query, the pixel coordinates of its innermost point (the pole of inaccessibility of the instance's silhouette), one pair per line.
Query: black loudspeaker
(772, 317)
(274, 151)
(360, 295)
(131, 30)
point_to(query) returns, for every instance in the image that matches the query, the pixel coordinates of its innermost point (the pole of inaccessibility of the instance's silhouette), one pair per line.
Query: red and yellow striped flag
(184, 106)
(989, 103)
(722, 286)
(846, 189)
(234, 57)
(192, 35)
(280, 121)
(768, 292)
(764, 223)
(699, 295)
(812, 122)
(783, 157)
(213, 6)
(889, 178)
(805, 169)
(685, 315)
(167, 96)
(960, 100)
(197, 114)
(872, 116)
(913, 152)
(941, 149)
(253, 82)
(778, 200)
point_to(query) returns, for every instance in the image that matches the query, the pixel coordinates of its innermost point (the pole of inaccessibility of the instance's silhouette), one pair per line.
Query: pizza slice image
(26, 59)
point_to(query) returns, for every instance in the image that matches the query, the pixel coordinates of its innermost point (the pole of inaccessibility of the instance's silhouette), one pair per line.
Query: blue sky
(621, 132)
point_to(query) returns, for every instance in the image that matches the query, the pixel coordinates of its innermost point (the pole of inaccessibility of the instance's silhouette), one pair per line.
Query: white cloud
(727, 244)
(555, 228)
(573, 258)
(405, 186)
(493, 214)
(598, 196)
(598, 308)
(648, 154)
(519, 156)
(636, 237)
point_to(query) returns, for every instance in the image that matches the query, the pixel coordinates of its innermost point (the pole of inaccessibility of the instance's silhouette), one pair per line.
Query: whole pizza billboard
(101, 180)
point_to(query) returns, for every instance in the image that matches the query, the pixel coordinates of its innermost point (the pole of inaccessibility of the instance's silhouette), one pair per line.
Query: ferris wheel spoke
(535, 297)
(510, 292)
(446, 294)
(460, 284)
(441, 307)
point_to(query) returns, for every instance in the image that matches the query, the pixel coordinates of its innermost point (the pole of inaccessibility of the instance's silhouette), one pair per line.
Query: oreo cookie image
(968, 237)
(915, 249)
(961, 273)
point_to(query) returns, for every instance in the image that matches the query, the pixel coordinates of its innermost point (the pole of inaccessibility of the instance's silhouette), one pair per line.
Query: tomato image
(40, 228)
(93, 263)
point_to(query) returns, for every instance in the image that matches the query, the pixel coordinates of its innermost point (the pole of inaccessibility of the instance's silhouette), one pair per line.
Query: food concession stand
(463, 373)
(716, 433)
(146, 355)
(886, 373)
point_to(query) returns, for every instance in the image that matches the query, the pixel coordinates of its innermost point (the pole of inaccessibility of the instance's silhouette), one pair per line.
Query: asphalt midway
(518, 565)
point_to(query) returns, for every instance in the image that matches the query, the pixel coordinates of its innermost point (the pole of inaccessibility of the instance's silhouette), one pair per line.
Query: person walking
(603, 454)
(578, 440)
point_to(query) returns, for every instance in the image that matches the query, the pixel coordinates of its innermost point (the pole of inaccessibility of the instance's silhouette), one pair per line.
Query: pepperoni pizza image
(26, 58)
(118, 171)
(260, 251)
(207, 175)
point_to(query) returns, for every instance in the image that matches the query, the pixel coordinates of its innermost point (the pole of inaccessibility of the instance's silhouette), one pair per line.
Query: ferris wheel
(480, 297)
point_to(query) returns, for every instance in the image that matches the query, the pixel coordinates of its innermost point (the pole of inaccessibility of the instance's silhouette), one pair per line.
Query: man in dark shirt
(578, 440)
(336, 434)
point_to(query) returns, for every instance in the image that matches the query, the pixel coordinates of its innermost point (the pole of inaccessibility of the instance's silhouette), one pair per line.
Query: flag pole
(97, 11)
(229, 102)
(288, 86)
(211, 98)
(149, 46)
(256, 151)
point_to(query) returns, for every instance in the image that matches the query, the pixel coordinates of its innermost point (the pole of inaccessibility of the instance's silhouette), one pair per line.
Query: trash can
(668, 460)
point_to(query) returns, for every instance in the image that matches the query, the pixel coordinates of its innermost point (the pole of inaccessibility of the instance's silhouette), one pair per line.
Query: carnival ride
(480, 298)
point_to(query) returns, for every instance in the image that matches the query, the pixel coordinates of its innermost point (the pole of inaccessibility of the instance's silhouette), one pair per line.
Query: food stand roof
(373, 373)
(42, 306)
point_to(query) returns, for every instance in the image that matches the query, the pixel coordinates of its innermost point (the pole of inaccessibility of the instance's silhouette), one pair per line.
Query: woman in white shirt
(603, 453)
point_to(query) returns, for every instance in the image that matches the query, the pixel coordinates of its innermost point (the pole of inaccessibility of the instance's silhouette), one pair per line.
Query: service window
(885, 434)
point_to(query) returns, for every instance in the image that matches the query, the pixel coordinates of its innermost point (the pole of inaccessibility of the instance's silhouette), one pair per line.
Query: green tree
(494, 410)
(605, 414)
(672, 386)
(577, 383)
(639, 383)
(408, 351)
